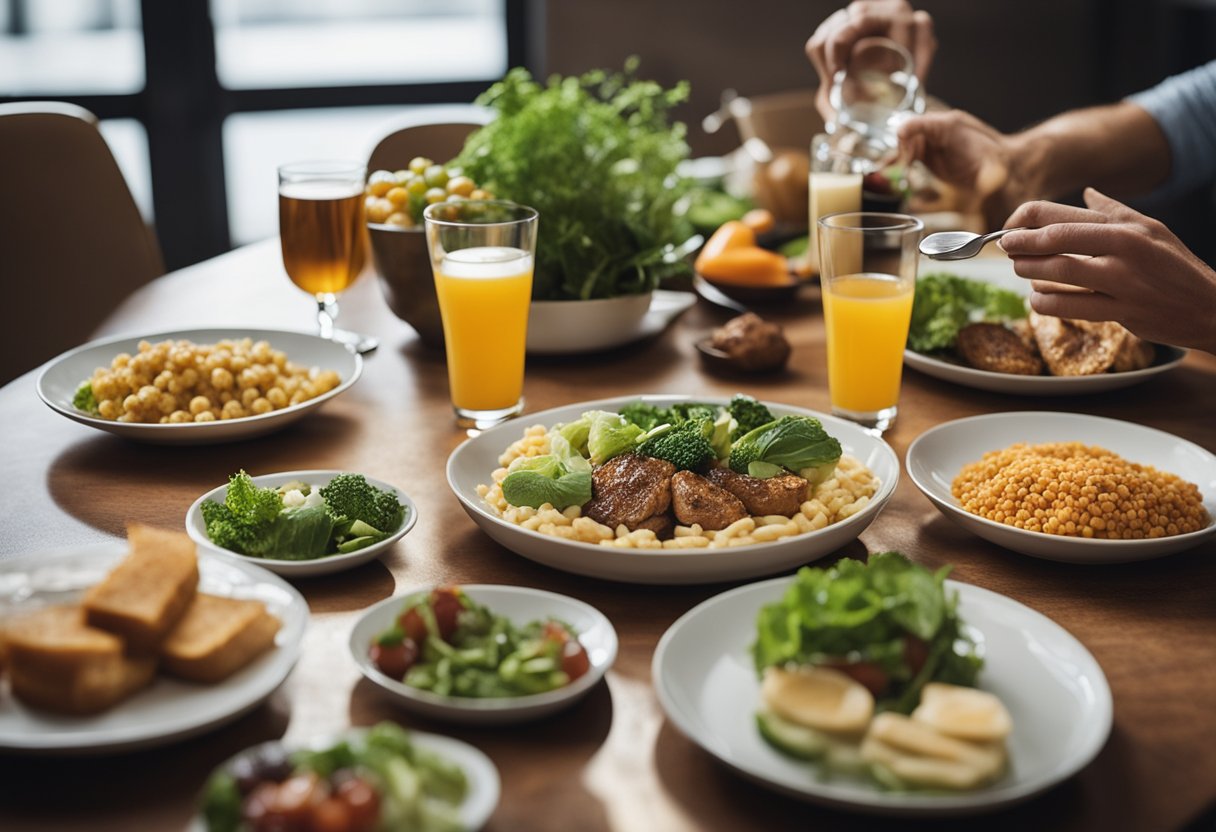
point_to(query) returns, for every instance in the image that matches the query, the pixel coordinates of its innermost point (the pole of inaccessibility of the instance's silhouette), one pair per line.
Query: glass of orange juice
(482, 253)
(324, 238)
(868, 274)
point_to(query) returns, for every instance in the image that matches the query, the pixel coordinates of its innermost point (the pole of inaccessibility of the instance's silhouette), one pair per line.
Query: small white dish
(168, 709)
(560, 327)
(485, 786)
(935, 458)
(197, 529)
(473, 462)
(519, 604)
(999, 272)
(1053, 687)
(59, 379)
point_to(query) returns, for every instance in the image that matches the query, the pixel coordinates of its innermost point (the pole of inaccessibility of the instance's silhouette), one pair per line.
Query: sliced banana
(818, 697)
(965, 713)
(921, 756)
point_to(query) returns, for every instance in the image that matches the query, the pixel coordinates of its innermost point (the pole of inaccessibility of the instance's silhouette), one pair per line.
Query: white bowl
(999, 272)
(574, 326)
(197, 529)
(519, 604)
(1053, 687)
(937, 456)
(58, 381)
(485, 786)
(473, 462)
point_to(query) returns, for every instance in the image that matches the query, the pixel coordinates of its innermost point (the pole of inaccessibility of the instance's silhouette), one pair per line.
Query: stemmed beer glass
(324, 237)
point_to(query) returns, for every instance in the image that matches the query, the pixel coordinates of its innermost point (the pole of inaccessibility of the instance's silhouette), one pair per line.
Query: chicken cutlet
(783, 494)
(998, 349)
(697, 500)
(1077, 348)
(628, 490)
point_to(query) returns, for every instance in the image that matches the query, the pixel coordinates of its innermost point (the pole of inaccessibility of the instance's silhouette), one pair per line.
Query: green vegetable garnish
(748, 414)
(84, 399)
(561, 478)
(859, 612)
(597, 157)
(686, 445)
(795, 443)
(353, 497)
(945, 303)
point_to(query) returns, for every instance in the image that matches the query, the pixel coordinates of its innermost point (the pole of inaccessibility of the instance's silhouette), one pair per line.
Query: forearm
(1118, 149)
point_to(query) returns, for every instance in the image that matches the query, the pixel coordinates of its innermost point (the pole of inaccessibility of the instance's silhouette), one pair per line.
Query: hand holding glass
(482, 254)
(868, 273)
(324, 237)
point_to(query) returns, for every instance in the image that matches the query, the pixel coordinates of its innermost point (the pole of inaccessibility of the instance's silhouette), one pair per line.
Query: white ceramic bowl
(472, 463)
(575, 326)
(168, 709)
(936, 456)
(59, 379)
(485, 786)
(999, 272)
(1053, 687)
(521, 605)
(197, 529)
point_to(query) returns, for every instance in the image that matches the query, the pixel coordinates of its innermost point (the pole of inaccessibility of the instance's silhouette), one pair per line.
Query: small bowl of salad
(302, 523)
(365, 779)
(482, 653)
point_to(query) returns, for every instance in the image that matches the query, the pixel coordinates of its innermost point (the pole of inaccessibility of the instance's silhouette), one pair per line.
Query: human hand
(1108, 262)
(969, 155)
(832, 43)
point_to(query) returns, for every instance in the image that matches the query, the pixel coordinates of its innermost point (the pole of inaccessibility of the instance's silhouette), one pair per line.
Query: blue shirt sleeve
(1185, 108)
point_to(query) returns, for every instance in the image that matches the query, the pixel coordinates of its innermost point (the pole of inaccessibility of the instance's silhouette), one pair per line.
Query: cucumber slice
(791, 738)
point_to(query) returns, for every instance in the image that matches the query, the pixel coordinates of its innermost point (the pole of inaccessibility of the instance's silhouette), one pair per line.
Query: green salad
(888, 623)
(446, 643)
(945, 303)
(379, 780)
(299, 521)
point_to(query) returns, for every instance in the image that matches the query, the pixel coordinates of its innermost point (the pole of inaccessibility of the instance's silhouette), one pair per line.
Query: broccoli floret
(353, 497)
(645, 416)
(749, 414)
(687, 411)
(85, 399)
(685, 445)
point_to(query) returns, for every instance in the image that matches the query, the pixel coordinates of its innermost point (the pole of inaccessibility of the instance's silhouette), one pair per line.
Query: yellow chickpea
(109, 409)
(248, 378)
(261, 405)
(189, 377)
(130, 403)
(205, 416)
(221, 379)
(277, 397)
(248, 395)
(232, 410)
(198, 404)
(121, 360)
(279, 358)
(261, 352)
(178, 417)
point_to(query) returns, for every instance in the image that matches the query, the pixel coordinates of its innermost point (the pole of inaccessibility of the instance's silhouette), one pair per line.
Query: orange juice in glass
(868, 274)
(482, 256)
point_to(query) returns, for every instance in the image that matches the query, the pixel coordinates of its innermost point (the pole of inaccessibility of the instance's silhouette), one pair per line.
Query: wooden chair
(72, 242)
(440, 142)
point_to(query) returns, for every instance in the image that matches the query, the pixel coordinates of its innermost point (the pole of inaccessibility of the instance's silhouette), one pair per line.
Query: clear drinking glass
(482, 254)
(872, 95)
(868, 273)
(324, 237)
(834, 186)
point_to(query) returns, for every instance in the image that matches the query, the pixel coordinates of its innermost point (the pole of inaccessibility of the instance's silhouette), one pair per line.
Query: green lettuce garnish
(945, 303)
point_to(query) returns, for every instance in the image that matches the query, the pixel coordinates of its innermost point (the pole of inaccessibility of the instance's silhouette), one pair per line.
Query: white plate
(1052, 686)
(473, 462)
(936, 456)
(197, 529)
(999, 272)
(563, 327)
(519, 604)
(481, 773)
(169, 709)
(58, 381)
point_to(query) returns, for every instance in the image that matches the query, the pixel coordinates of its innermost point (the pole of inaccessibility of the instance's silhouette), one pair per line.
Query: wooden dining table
(613, 761)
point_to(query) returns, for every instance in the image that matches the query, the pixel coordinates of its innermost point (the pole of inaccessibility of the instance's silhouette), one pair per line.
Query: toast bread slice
(216, 637)
(145, 595)
(58, 662)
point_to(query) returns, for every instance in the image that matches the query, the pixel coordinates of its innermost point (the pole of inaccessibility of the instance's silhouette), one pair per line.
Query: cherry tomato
(575, 661)
(869, 675)
(362, 801)
(413, 625)
(445, 602)
(555, 631)
(394, 660)
(916, 653)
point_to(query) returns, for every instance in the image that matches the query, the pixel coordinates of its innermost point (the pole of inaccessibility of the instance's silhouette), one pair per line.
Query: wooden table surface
(612, 762)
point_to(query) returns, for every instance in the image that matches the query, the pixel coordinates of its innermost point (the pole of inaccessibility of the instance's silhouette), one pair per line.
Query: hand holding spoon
(958, 245)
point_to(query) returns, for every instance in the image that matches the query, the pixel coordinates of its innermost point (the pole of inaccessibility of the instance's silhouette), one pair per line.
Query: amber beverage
(323, 232)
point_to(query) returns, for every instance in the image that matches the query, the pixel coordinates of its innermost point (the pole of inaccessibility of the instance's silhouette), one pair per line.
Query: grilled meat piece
(783, 494)
(629, 489)
(998, 349)
(1077, 348)
(752, 343)
(1134, 354)
(697, 500)
(661, 524)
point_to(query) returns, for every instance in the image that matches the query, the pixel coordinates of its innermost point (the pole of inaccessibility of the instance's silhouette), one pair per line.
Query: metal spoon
(958, 245)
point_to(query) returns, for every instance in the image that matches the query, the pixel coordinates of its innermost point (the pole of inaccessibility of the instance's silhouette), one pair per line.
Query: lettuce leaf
(945, 303)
